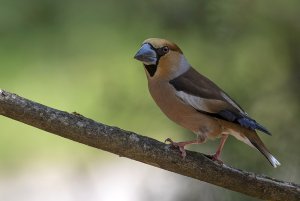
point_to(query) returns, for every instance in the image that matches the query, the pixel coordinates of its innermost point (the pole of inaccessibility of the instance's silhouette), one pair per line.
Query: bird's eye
(162, 51)
(165, 49)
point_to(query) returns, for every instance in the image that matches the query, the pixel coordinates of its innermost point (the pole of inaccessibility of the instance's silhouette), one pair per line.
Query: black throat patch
(151, 69)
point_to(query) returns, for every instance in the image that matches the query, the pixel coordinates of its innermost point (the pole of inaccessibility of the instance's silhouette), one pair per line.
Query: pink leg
(216, 156)
(181, 145)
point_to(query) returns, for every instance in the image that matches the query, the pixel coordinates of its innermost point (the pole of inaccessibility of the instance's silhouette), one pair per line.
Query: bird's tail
(258, 144)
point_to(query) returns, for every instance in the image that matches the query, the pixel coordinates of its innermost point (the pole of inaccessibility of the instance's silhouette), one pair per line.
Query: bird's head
(162, 58)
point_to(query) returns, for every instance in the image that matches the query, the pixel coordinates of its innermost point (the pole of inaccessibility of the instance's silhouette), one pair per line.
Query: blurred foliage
(78, 56)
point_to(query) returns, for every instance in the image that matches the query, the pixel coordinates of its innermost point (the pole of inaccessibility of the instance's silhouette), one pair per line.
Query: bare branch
(144, 149)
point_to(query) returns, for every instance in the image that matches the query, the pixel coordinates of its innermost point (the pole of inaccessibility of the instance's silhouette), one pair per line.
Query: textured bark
(144, 149)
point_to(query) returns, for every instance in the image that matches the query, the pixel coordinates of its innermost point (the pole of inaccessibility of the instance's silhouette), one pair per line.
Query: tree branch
(144, 149)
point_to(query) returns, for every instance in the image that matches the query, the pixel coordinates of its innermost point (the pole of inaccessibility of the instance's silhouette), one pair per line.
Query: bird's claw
(215, 158)
(170, 141)
(183, 152)
(177, 145)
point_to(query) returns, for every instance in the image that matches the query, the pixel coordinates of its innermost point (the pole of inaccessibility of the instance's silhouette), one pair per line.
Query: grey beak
(146, 55)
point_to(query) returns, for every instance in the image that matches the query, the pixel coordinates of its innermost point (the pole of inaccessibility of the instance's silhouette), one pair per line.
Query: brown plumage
(195, 102)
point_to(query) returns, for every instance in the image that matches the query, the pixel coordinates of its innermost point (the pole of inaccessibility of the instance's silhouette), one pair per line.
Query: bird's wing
(206, 97)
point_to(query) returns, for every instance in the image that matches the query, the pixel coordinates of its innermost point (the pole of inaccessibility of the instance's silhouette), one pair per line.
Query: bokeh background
(78, 56)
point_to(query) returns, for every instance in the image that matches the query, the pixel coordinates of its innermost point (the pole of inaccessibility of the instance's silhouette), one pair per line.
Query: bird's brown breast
(164, 95)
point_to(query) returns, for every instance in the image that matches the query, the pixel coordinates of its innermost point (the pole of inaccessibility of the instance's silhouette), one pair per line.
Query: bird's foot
(215, 157)
(179, 145)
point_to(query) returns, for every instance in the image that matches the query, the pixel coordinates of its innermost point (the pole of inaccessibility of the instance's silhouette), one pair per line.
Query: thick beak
(146, 55)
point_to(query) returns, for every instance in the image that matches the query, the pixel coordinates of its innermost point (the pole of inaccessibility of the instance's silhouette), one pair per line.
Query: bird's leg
(181, 145)
(216, 156)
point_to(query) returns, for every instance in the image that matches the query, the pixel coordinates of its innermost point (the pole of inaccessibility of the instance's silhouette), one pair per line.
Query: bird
(195, 102)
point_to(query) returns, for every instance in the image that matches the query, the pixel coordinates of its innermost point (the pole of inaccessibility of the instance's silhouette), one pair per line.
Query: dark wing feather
(195, 87)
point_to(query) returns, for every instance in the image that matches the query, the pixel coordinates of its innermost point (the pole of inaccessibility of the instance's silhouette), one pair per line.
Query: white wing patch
(194, 101)
(206, 105)
(232, 103)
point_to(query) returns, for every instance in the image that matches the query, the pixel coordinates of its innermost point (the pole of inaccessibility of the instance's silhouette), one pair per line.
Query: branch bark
(144, 149)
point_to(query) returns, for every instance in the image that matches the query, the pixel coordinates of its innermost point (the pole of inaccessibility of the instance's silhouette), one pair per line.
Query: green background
(78, 56)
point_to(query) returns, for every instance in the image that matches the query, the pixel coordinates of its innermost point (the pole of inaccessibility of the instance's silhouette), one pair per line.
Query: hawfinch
(195, 102)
